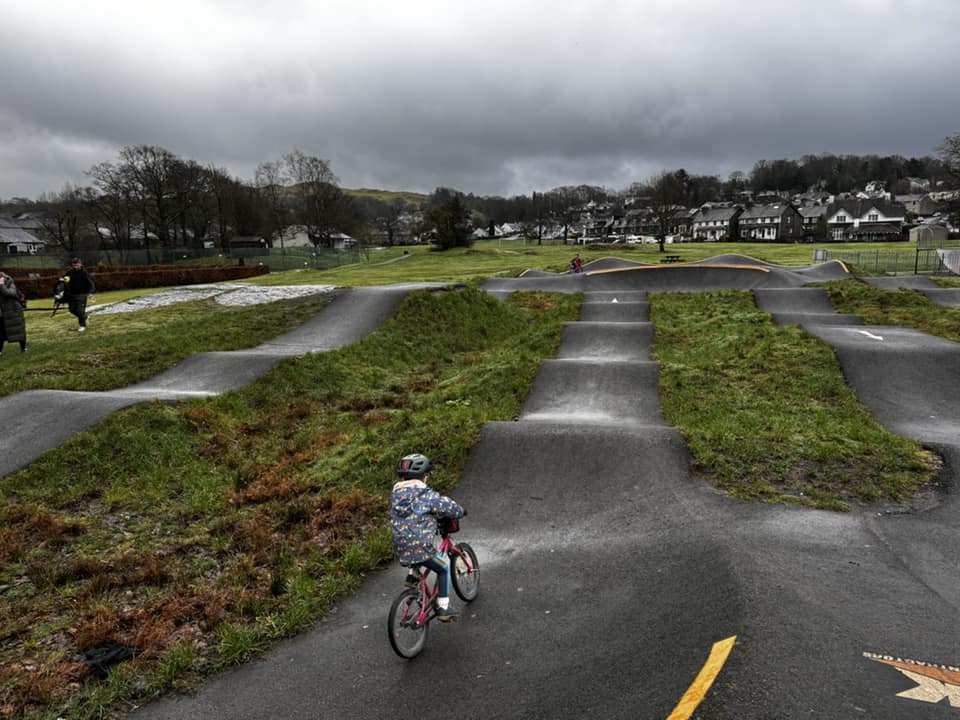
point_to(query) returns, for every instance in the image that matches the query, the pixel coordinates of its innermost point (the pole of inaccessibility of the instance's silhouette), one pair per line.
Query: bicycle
(413, 609)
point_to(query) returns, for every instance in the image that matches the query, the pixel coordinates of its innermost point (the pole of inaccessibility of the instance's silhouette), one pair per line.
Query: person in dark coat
(79, 286)
(13, 328)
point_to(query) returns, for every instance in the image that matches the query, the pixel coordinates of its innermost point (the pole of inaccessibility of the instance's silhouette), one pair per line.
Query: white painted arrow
(930, 690)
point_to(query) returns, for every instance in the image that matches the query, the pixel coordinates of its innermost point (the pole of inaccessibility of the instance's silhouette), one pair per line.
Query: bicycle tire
(466, 582)
(406, 638)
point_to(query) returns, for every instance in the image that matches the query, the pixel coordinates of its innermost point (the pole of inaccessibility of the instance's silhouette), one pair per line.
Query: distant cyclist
(414, 509)
(576, 264)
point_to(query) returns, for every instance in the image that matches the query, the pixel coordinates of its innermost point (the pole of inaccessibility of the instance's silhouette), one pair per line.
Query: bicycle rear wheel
(465, 572)
(407, 637)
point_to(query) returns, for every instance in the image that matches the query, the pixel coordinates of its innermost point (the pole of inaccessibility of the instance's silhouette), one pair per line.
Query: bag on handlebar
(448, 525)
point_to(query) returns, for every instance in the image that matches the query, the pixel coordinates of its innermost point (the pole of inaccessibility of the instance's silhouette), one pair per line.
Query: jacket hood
(405, 493)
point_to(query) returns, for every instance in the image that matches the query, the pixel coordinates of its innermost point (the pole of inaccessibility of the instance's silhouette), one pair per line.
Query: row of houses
(865, 217)
(844, 220)
(24, 236)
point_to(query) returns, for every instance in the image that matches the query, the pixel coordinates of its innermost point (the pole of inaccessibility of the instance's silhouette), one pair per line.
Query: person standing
(13, 327)
(79, 286)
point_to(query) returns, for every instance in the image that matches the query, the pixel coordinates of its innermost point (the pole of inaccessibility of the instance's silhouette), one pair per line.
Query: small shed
(929, 235)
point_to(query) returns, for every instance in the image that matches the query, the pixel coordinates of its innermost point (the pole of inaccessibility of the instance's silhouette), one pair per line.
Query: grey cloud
(494, 98)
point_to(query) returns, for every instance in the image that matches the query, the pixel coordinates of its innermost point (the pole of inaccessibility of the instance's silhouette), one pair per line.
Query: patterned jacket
(414, 509)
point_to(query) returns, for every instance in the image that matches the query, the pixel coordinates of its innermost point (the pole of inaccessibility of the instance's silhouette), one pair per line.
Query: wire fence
(892, 262)
(276, 258)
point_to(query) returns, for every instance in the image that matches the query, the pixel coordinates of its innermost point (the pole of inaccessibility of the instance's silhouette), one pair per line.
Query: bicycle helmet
(414, 466)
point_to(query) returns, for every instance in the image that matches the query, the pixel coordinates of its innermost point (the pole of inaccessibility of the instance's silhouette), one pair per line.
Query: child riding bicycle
(414, 509)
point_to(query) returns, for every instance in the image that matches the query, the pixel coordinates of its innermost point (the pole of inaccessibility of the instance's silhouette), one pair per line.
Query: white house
(716, 223)
(297, 236)
(865, 220)
(14, 239)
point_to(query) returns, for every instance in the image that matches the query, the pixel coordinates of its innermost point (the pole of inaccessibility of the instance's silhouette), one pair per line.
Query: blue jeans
(441, 566)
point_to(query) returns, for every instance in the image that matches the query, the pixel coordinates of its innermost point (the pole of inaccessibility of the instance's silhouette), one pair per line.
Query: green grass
(413, 199)
(512, 256)
(201, 531)
(766, 411)
(905, 307)
(123, 348)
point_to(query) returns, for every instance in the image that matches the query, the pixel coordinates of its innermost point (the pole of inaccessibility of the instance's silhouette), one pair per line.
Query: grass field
(123, 348)
(510, 257)
(202, 531)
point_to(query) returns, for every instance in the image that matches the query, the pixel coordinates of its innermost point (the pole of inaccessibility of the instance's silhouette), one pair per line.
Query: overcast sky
(496, 97)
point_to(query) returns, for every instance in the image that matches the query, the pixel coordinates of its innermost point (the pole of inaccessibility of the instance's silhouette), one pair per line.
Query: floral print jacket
(414, 509)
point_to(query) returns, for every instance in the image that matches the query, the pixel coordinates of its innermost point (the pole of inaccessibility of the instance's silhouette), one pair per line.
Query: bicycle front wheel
(465, 572)
(407, 636)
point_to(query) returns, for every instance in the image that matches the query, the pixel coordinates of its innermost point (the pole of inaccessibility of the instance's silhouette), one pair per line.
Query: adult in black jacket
(79, 285)
(13, 328)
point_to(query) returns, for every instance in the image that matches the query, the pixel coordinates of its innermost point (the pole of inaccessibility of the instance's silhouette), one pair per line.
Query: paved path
(609, 572)
(38, 420)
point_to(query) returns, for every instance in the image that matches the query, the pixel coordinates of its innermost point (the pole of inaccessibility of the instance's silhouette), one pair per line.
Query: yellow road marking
(708, 673)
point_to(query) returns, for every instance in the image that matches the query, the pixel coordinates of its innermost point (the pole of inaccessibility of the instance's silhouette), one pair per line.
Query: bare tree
(222, 189)
(193, 206)
(950, 156)
(389, 219)
(152, 170)
(564, 203)
(271, 181)
(949, 153)
(321, 205)
(112, 200)
(666, 197)
(68, 219)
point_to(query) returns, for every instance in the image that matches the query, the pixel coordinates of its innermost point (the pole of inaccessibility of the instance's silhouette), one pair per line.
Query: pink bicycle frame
(427, 593)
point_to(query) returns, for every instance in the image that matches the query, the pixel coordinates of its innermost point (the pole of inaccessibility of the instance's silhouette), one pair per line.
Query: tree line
(151, 197)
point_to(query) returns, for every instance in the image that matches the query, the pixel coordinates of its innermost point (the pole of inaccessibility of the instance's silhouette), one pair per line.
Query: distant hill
(411, 198)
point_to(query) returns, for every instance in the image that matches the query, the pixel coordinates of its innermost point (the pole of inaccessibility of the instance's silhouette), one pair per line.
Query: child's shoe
(446, 614)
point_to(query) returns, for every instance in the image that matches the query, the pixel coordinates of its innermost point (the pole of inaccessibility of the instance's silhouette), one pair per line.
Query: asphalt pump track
(610, 572)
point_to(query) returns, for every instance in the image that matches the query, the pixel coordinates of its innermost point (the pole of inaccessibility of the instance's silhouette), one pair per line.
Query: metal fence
(895, 262)
(276, 258)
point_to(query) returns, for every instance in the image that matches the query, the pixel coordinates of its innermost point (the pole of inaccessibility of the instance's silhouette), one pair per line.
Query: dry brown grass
(27, 525)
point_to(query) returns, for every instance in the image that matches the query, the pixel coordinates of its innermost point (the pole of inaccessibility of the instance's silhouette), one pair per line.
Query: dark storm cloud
(505, 98)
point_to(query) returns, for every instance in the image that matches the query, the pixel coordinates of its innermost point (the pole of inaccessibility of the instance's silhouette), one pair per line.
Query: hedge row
(39, 283)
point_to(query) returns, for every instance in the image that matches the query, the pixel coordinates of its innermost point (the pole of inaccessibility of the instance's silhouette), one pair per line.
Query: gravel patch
(233, 294)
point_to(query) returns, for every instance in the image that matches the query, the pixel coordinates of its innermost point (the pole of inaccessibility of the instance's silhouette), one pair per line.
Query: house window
(841, 218)
(873, 217)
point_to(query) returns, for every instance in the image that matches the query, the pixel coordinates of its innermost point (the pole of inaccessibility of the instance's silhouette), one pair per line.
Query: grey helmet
(414, 466)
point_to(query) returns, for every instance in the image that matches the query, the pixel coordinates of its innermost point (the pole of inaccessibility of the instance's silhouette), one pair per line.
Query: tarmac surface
(610, 574)
(38, 420)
